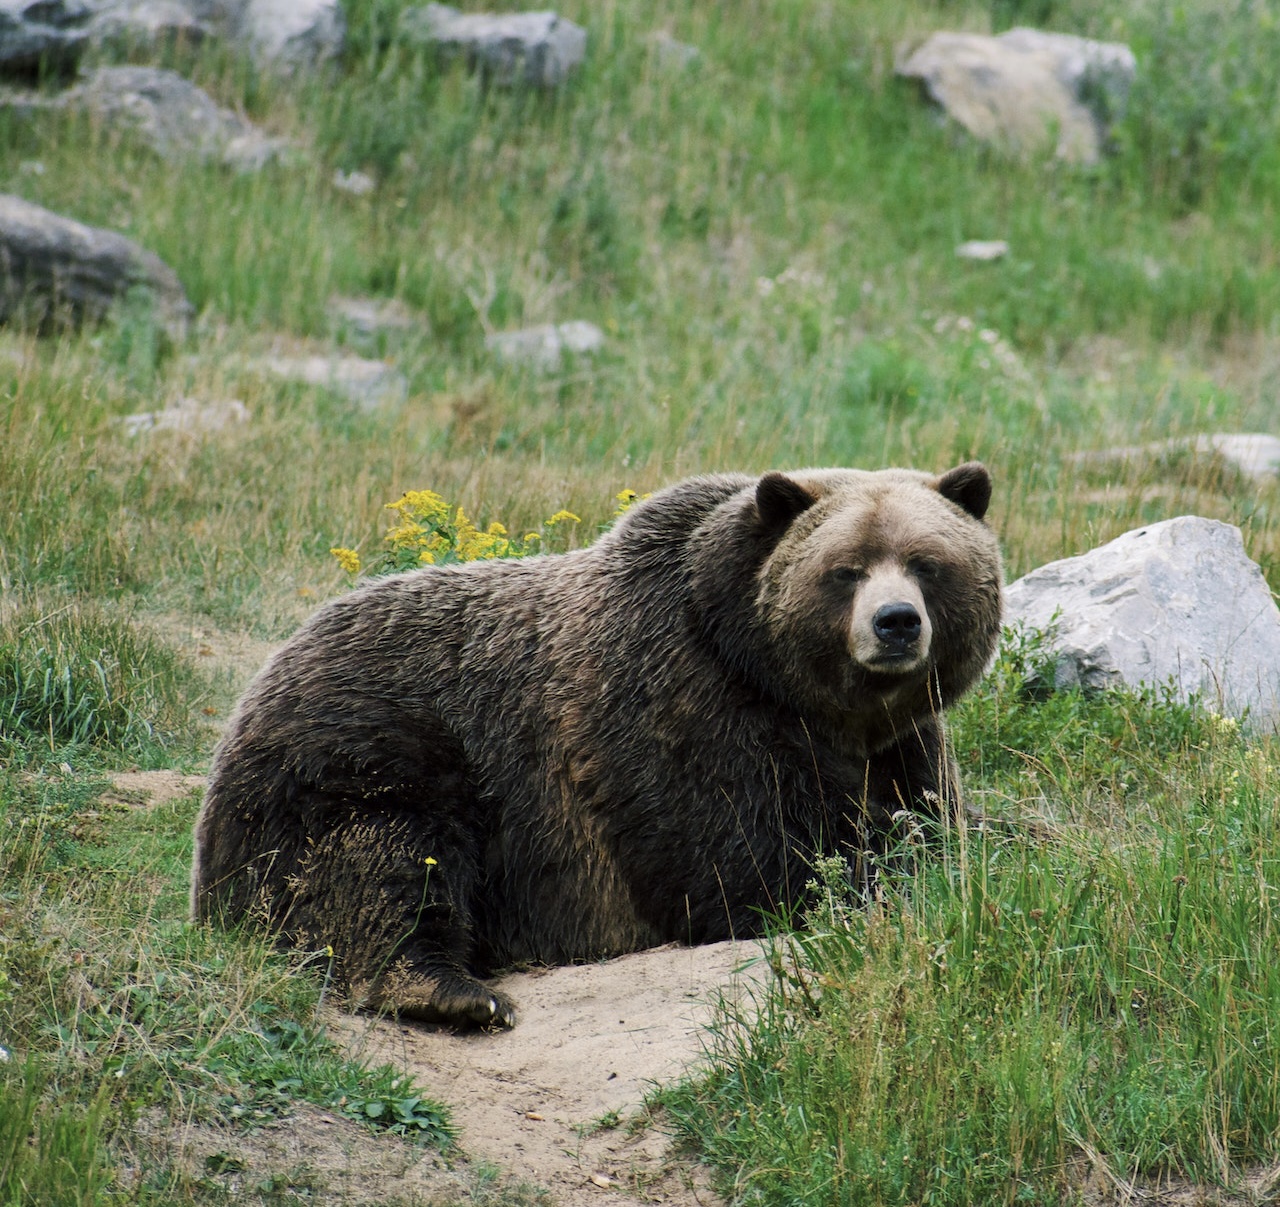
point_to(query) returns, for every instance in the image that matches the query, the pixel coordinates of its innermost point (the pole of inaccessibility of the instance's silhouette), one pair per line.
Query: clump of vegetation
(77, 676)
(429, 531)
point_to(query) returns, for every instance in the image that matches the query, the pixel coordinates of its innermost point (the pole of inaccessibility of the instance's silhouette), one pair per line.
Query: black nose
(897, 624)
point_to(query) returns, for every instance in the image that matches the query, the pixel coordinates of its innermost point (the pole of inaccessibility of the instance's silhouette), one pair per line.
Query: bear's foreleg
(398, 920)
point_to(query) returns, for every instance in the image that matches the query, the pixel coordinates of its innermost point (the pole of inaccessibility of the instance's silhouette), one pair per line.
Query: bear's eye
(923, 567)
(847, 576)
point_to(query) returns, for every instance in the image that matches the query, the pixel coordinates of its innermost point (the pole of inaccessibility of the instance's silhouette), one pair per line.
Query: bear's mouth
(896, 662)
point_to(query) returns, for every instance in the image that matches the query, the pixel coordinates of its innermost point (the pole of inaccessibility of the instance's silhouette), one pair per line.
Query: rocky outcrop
(1178, 604)
(1026, 90)
(58, 273)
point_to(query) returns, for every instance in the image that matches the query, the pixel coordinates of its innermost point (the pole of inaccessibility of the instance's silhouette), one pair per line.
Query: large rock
(538, 48)
(1175, 603)
(56, 272)
(1026, 90)
(292, 32)
(56, 33)
(175, 117)
(48, 33)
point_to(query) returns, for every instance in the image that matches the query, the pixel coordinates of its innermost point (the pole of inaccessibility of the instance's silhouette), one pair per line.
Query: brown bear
(562, 758)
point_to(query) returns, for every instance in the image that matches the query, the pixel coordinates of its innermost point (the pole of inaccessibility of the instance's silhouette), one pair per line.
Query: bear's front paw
(454, 998)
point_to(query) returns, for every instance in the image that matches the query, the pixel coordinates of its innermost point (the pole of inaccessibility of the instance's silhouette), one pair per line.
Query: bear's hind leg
(398, 920)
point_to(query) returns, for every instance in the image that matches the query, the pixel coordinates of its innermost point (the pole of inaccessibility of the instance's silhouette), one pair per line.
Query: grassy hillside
(767, 237)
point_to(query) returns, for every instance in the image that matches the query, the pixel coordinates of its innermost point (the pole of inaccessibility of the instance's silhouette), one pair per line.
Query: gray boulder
(58, 273)
(292, 33)
(56, 33)
(175, 117)
(52, 33)
(1024, 88)
(545, 346)
(538, 48)
(1175, 603)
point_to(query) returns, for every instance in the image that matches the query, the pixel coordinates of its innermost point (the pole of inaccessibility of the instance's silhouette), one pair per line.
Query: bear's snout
(897, 625)
(890, 628)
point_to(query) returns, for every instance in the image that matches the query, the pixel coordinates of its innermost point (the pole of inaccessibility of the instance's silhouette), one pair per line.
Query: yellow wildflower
(348, 559)
(425, 504)
(561, 516)
(626, 498)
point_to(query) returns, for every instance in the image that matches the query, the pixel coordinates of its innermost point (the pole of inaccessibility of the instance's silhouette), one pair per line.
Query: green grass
(114, 1010)
(767, 237)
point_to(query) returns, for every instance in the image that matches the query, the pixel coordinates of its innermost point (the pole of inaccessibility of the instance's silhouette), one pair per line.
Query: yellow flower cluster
(348, 559)
(627, 499)
(428, 530)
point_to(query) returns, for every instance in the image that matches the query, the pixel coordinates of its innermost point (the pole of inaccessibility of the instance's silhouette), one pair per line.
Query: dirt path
(551, 1099)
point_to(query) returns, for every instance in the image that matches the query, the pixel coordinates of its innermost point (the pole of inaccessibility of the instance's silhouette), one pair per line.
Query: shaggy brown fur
(567, 757)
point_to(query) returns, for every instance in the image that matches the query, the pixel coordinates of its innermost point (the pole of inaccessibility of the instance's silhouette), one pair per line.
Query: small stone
(545, 346)
(358, 184)
(187, 415)
(982, 249)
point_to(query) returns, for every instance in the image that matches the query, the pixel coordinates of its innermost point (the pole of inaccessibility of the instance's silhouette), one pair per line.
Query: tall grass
(75, 676)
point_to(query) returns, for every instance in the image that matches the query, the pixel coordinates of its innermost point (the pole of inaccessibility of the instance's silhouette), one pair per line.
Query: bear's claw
(456, 999)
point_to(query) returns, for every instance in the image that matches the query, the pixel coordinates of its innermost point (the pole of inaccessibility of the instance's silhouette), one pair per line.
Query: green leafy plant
(395, 1107)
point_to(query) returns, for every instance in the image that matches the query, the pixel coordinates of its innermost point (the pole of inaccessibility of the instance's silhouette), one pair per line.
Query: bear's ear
(968, 486)
(779, 500)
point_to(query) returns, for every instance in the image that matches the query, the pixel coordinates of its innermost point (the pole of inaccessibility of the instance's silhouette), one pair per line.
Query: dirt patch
(149, 788)
(558, 1100)
(550, 1113)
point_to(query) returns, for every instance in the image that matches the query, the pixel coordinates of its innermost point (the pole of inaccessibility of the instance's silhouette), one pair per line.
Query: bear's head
(881, 589)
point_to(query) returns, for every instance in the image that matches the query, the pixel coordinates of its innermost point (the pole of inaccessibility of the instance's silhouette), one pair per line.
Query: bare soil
(559, 1099)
